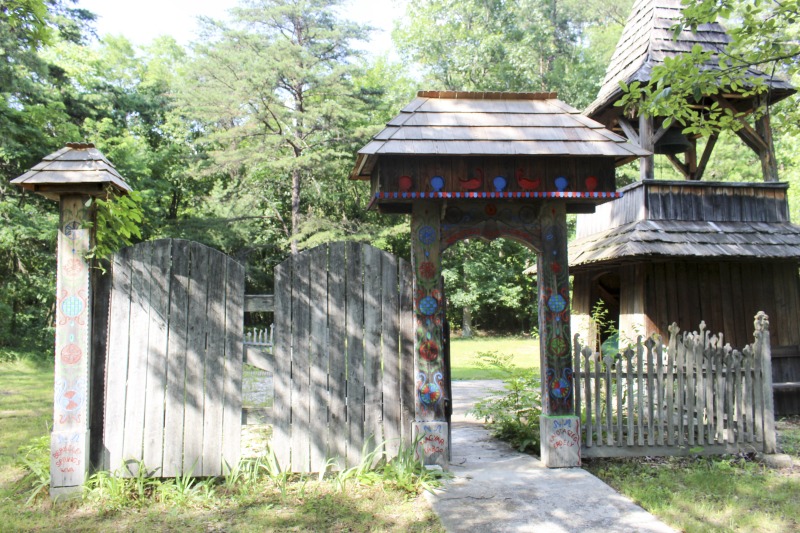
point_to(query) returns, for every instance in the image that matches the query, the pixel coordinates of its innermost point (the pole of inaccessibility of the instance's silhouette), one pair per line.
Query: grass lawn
(465, 363)
(261, 503)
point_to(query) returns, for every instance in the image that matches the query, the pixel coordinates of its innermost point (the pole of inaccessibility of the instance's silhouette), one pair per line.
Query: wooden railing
(695, 395)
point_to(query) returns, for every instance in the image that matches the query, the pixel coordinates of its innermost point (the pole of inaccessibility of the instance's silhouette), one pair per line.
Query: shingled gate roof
(647, 39)
(76, 163)
(492, 124)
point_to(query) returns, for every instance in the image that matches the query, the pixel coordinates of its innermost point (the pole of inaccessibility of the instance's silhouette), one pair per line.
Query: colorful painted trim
(487, 195)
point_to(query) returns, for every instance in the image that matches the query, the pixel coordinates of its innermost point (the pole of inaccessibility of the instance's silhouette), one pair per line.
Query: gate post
(560, 428)
(430, 423)
(80, 172)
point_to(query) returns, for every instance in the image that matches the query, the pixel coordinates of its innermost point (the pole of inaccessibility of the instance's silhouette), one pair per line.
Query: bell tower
(645, 42)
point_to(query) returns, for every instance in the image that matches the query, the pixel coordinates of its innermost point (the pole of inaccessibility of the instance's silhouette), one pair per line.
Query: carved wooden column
(560, 428)
(72, 176)
(69, 442)
(430, 418)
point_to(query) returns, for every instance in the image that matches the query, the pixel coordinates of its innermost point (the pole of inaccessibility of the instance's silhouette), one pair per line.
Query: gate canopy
(481, 145)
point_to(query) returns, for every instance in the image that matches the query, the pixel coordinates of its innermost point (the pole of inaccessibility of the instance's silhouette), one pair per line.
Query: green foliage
(519, 45)
(513, 413)
(34, 459)
(118, 220)
(488, 279)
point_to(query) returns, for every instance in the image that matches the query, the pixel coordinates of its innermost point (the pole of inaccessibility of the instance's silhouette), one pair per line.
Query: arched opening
(492, 314)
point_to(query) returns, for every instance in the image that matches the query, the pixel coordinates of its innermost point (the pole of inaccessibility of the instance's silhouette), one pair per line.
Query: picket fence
(696, 395)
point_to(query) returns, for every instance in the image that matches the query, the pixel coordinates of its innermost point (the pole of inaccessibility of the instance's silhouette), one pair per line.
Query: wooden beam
(679, 166)
(691, 159)
(259, 302)
(627, 128)
(646, 166)
(750, 137)
(769, 165)
(701, 166)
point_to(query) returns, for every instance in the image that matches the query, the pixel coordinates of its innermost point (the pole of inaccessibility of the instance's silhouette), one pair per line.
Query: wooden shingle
(438, 123)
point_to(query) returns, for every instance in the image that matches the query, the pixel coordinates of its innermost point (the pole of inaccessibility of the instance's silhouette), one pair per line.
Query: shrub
(512, 413)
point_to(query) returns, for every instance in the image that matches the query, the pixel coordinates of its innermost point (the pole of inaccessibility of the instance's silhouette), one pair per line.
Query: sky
(142, 20)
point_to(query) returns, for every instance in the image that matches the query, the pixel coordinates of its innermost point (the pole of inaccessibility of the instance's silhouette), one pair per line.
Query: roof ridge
(487, 95)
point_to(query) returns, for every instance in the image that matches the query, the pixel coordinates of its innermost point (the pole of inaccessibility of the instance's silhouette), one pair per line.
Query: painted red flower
(427, 270)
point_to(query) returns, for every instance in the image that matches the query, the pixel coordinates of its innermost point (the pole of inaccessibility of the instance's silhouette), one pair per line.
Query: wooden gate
(174, 360)
(697, 395)
(343, 355)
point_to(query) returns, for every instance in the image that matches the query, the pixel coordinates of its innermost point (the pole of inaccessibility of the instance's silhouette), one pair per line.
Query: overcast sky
(142, 20)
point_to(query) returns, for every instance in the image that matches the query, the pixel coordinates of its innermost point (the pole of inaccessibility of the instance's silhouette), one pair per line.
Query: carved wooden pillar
(69, 443)
(560, 428)
(430, 418)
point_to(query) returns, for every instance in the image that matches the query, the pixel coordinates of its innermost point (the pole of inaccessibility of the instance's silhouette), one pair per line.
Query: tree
(511, 45)
(272, 93)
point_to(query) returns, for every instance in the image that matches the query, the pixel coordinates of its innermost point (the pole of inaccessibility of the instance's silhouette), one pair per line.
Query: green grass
(260, 502)
(707, 494)
(464, 360)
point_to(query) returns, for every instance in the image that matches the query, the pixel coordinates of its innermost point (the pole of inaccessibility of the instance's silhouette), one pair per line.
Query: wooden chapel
(686, 251)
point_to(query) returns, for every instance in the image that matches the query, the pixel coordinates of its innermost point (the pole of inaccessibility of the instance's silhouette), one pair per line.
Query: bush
(513, 413)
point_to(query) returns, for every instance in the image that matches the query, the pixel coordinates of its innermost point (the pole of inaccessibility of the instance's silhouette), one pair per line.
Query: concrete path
(497, 489)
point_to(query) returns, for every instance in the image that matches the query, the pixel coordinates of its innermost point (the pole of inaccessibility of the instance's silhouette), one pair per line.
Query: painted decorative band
(491, 195)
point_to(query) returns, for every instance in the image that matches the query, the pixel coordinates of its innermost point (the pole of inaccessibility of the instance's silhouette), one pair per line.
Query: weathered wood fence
(343, 355)
(696, 395)
(174, 360)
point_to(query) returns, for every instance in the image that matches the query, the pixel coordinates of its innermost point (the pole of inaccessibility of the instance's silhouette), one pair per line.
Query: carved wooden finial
(761, 322)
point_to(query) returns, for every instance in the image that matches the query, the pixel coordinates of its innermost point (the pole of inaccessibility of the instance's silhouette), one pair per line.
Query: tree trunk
(295, 209)
(466, 323)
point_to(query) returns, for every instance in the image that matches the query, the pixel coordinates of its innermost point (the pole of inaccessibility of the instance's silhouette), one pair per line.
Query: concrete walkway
(497, 489)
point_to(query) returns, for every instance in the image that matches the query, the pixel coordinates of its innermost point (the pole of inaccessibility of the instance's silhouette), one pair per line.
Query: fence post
(71, 176)
(764, 355)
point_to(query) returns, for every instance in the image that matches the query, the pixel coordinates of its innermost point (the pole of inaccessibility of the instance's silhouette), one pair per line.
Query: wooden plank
(609, 401)
(301, 331)
(629, 371)
(101, 301)
(319, 395)
(390, 354)
(597, 401)
(576, 365)
(699, 396)
(136, 389)
(232, 391)
(355, 353)
(656, 451)
(588, 430)
(660, 413)
(749, 415)
(682, 390)
(195, 360)
(337, 334)
(671, 369)
(282, 404)
(651, 385)
(373, 394)
(618, 381)
(407, 326)
(117, 360)
(214, 379)
(176, 357)
(730, 365)
(719, 397)
(689, 406)
(640, 384)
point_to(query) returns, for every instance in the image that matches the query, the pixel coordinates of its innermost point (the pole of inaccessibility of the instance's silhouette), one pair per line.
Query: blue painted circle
(437, 182)
(556, 303)
(72, 306)
(428, 305)
(499, 183)
(427, 235)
